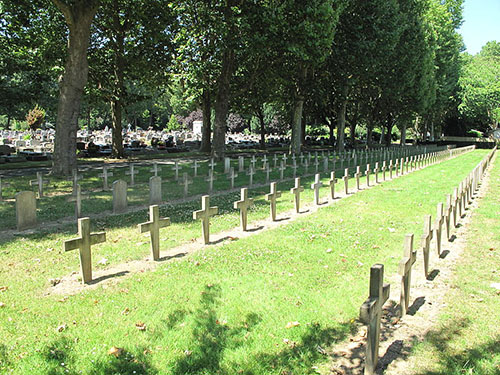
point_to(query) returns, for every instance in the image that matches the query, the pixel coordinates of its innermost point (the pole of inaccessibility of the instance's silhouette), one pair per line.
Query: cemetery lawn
(266, 304)
(467, 339)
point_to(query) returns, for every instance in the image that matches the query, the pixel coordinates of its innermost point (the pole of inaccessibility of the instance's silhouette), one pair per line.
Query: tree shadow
(4, 358)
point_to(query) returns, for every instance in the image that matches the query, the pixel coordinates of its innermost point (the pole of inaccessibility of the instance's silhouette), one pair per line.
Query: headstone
(25, 210)
(119, 196)
(370, 314)
(425, 243)
(325, 164)
(232, 175)
(296, 190)
(271, 197)
(132, 172)
(227, 165)
(241, 163)
(155, 190)
(185, 182)
(316, 186)
(39, 182)
(204, 215)
(210, 178)
(438, 227)
(153, 227)
(84, 243)
(243, 205)
(105, 174)
(346, 181)
(405, 266)
(77, 198)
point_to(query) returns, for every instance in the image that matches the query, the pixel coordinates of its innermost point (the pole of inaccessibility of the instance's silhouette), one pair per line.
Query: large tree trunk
(206, 130)
(298, 107)
(260, 116)
(222, 104)
(78, 17)
(403, 135)
(331, 127)
(389, 125)
(341, 119)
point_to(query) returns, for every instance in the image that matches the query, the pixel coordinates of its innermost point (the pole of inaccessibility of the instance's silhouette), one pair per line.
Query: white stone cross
(212, 164)
(390, 169)
(306, 166)
(185, 182)
(195, 167)
(402, 166)
(275, 160)
(39, 182)
(405, 266)
(282, 169)
(284, 158)
(346, 181)
(153, 227)
(264, 162)
(301, 157)
(243, 205)
(384, 168)
(296, 190)
(370, 314)
(325, 164)
(316, 186)
(376, 170)
(271, 197)
(357, 175)
(447, 215)
(438, 226)
(231, 176)
(294, 167)
(176, 169)
(316, 164)
(105, 174)
(425, 242)
(132, 172)
(367, 174)
(77, 198)
(204, 215)
(268, 171)
(155, 169)
(211, 178)
(253, 161)
(250, 173)
(396, 168)
(84, 243)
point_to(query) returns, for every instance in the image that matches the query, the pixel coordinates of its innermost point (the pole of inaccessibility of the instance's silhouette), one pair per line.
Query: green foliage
(173, 124)
(35, 118)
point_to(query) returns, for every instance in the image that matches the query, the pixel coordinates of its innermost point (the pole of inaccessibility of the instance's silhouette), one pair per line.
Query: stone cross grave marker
(105, 174)
(77, 198)
(331, 184)
(384, 167)
(367, 174)
(294, 159)
(119, 196)
(406, 165)
(176, 168)
(301, 157)
(84, 243)
(210, 179)
(253, 161)
(271, 197)
(455, 207)
(243, 205)
(294, 167)
(447, 215)
(195, 167)
(25, 210)
(370, 314)
(309, 156)
(425, 243)
(75, 177)
(185, 182)
(396, 168)
(250, 173)
(155, 169)
(282, 169)
(212, 164)
(316, 164)
(357, 175)
(275, 161)
(405, 266)
(264, 162)
(402, 166)
(376, 170)
(296, 190)
(438, 226)
(231, 176)
(268, 171)
(284, 158)
(204, 215)
(153, 227)
(155, 190)
(132, 172)
(325, 164)
(346, 181)
(2, 185)
(39, 182)
(316, 186)
(241, 164)
(341, 162)
(306, 166)
(390, 169)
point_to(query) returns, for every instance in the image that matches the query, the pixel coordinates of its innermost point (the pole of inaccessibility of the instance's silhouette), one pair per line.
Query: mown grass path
(223, 310)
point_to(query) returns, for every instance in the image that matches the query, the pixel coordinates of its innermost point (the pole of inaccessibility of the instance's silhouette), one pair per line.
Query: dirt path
(427, 297)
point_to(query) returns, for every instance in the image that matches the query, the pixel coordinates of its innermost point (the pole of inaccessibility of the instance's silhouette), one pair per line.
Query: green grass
(222, 310)
(467, 338)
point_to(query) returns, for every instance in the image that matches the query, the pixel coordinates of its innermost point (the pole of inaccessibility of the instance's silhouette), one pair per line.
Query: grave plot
(262, 304)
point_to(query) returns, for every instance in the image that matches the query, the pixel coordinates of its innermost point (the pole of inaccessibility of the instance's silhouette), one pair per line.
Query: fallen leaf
(103, 261)
(126, 311)
(140, 326)
(392, 230)
(3, 288)
(115, 351)
(55, 281)
(188, 352)
(2, 304)
(232, 238)
(375, 247)
(61, 328)
(292, 324)
(329, 250)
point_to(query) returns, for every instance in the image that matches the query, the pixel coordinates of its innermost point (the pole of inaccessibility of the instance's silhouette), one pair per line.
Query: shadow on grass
(4, 358)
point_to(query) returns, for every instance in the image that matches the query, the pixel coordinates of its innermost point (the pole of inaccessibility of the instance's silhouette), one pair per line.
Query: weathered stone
(155, 196)
(25, 210)
(296, 190)
(405, 266)
(132, 172)
(119, 196)
(316, 186)
(243, 205)
(271, 197)
(425, 241)
(153, 227)
(77, 198)
(204, 215)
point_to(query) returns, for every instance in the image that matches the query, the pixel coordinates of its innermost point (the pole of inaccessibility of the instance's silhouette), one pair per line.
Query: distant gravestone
(84, 243)
(405, 266)
(176, 169)
(370, 314)
(195, 167)
(282, 169)
(384, 168)
(155, 190)
(316, 186)
(325, 164)
(294, 167)
(25, 210)
(210, 179)
(77, 198)
(132, 172)
(105, 174)
(250, 173)
(296, 190)
(185, 182)
(243, 205)
(231, 176)
(153, 226)
(425, 243)
(271, 197)
(367, 174)
(204, 215)
(227, 165)
(268, 172)
(331, 184)
(119, 196)
(155, 169)
(448, 213)
(376, 170)
(357, 175)
(39, 182)
(241, 163)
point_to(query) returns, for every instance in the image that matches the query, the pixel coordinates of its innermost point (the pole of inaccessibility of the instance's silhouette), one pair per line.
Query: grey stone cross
(264, 162)
(384, 168)
(331, 184)
(390, 169)
(105, 174)
(176, 168)
(185, 182)
(367, 174)
(357, 175)
(455, 207)
(346, 181)
(212, 164)
(370, 314)
(284, 158)
(250, 173)
(448, 213)
(243, 205)
(282, 169)
(204, 215)
(306, 166)
(268, 171)
(405, 266)
(231, 176)
(316, 164)
(210, 179)
(425, 242)
(438, 226)
(39, 182)
(325, 164)
(275, 160)
(155, 169)
(153, 227)
(316, 186)
(75, 177)
(271, 197)
(396, 168)
(376, 170)
(253, 161)
(195, 167)
(296, 190)
(132, 172)
(77, 198)
(294, 167)
(84, 243)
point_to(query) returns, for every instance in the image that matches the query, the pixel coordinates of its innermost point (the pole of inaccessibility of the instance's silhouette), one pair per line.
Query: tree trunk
(260, 116)
(403, 135)
(298, 107)
(206, 130)
(389, 124)
(222, 104)
(7, 126)
(369, 134)
(331, 127)
(382, 136)
(78, 17)
(341, 119)
(432, 131)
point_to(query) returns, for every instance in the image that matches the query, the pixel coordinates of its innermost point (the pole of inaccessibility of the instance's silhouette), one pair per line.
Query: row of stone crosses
(26, 201)
(371, 310)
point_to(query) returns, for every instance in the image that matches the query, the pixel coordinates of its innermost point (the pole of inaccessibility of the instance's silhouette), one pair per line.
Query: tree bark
(78, 17)
(260, 116)
(298, 107)
(403, 135)
(341, 119)
(222, 104)
(206, 130)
